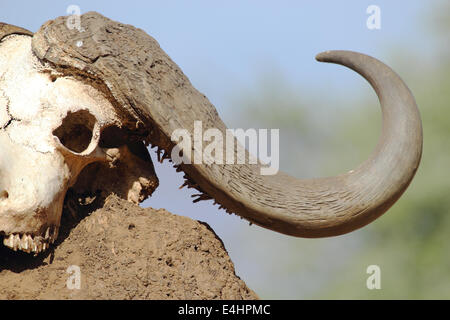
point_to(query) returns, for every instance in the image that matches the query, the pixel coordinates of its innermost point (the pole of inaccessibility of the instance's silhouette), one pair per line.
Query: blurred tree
(411, 243)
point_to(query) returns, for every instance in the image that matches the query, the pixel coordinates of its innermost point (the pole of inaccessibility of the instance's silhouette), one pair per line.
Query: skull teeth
(29, 243)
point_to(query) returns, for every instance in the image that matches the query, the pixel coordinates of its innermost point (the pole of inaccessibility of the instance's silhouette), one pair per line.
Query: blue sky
(233, 42)
(226, 46)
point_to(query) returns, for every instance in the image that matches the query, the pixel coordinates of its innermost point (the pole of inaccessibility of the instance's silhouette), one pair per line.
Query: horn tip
(327, 56)
(321, 57)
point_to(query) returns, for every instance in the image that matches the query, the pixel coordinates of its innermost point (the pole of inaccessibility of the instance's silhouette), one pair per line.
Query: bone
(28, 243)
(52, 126)
(164, 99)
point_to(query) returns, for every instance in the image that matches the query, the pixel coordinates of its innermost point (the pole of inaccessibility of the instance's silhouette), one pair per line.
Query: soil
(122, 251)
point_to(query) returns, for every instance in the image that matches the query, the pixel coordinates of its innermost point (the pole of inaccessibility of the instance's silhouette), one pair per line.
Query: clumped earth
(126, 252)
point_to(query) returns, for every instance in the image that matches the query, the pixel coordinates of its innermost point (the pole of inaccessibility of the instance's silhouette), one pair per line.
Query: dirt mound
(122, 251)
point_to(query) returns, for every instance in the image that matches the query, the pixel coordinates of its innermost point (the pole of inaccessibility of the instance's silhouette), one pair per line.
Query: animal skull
(64, 91)
(50, 130)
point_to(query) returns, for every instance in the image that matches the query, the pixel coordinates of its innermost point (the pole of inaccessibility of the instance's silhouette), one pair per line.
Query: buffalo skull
(51, 129)
(77, 109)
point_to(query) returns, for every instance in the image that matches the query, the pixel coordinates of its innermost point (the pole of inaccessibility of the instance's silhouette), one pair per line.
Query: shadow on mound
(127, 252)
(75, 210)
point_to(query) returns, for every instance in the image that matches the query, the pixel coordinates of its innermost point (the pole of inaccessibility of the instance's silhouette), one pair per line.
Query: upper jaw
(31, 243)
(33, 232)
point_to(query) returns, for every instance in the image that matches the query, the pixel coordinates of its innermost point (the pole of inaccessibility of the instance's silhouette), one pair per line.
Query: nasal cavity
(4, 194)
(75, 132)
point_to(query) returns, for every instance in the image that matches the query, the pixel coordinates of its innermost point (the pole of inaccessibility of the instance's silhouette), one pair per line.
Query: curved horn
(143, 82)
(8, 29)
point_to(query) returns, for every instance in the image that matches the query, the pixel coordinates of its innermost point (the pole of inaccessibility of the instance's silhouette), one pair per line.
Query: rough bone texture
(126, 252)
(52, 128)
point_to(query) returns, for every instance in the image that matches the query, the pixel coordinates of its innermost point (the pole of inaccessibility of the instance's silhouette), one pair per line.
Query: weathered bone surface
(147, 93)
(51, 128)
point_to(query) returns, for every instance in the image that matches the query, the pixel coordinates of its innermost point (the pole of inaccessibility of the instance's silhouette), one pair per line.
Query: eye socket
(75, 132)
